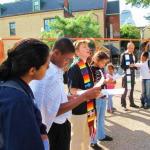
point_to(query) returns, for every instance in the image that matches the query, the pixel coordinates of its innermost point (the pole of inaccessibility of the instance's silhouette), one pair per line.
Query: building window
(12, 28)
(36, 5)
(46, 23)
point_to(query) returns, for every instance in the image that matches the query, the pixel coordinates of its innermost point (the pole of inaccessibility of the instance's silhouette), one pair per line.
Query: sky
(137, 13)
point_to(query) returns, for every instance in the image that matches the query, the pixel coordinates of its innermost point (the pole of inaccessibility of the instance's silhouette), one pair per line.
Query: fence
(7, 43)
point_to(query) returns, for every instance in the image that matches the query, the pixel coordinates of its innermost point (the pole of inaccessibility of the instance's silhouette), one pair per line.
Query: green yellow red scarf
(91, 112)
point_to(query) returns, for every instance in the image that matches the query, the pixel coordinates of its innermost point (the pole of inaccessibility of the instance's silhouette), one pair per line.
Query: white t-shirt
(144, 69)
(49, 94)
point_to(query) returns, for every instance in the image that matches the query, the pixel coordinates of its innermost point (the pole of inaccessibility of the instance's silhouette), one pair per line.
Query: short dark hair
(145, 54)
(64, 45)
(24, 55)
(110, 65)
(100, 56)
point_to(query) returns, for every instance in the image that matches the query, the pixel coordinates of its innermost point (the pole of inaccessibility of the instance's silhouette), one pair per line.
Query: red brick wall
(115, 21)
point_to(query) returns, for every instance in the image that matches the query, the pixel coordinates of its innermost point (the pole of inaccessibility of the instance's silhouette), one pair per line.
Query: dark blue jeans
(145, 96)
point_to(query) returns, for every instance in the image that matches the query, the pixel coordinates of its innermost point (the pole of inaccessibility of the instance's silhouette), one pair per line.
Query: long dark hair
(24, 55)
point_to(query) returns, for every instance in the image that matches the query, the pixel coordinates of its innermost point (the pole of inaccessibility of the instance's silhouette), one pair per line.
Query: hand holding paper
(118, 91)
(90, 93)
(100, 83)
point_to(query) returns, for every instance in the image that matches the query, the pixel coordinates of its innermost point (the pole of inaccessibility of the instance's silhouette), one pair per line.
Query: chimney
(36, 5)
(105, 17)
(67, 10)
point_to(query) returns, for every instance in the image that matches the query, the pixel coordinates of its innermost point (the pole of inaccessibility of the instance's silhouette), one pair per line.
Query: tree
(79, 26)
(129, 31)
(139, 3)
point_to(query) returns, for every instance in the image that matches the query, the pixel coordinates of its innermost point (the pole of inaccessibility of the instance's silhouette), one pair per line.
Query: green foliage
(130, 32)
(139, 3)
(79, 26)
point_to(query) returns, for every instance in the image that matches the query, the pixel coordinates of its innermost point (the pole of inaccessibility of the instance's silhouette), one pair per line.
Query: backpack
(11, 84)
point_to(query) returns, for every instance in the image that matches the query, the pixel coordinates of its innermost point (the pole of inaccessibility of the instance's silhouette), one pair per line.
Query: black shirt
(97, 73)
(75, 80)
(123, 61)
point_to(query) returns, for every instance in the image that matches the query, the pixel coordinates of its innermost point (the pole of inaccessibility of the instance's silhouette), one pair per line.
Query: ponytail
(24, 55)
(5, 69)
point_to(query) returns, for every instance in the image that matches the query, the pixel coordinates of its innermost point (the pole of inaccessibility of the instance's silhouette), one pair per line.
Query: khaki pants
(80, 132)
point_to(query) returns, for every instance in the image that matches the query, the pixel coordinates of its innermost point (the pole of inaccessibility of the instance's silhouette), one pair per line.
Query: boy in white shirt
(145, 74)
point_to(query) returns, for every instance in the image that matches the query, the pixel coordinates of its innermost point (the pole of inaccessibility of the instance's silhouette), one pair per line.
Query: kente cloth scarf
(128, 71)
(91, 112)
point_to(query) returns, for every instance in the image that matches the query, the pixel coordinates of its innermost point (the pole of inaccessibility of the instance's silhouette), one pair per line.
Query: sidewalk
(130, 130)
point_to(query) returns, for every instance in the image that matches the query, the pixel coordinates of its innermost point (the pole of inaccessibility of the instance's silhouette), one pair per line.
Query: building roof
(25, 7)
(113, 50)
(80, 5)
(113, 7)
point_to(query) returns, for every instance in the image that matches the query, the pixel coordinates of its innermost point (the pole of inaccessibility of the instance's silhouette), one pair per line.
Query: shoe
(142, 106)
(95, 146)
(135, 106)
(114, 109)
(107, 138)
(110, 111)
(145, 106)
(125, 109)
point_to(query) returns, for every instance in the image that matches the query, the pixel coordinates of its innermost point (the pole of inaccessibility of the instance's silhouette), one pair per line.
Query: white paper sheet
(100, 83)
(118, 91)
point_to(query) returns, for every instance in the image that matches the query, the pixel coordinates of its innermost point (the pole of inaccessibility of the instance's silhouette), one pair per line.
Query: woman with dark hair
(21, 125)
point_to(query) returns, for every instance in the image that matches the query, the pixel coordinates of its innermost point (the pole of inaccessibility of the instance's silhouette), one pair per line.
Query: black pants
(60, 136)
(124, 85)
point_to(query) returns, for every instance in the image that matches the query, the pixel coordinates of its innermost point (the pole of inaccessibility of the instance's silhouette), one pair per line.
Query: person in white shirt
(145, 74)
(51, 98)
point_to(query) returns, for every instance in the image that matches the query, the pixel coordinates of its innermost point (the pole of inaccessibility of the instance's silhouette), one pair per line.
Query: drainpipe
(1, 50)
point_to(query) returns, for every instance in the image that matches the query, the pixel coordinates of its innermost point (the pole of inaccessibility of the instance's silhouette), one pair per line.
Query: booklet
(117, 91)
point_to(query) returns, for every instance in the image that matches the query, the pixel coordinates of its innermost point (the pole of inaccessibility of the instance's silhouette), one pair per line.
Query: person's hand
(45, 141)
(92, 93)
(131, 65)
(114, 81)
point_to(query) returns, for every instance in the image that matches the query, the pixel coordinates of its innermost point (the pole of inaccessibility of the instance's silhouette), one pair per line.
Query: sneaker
(133, 105)
(95, 146)
(125, 109)
(107, 138)
(145, 106)
(114, 109)
(110, 111)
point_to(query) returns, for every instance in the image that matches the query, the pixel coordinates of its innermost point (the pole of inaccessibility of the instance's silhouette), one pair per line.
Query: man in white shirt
(51, 98)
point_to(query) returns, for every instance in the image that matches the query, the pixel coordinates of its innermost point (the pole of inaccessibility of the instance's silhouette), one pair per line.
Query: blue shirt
(20, 120)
